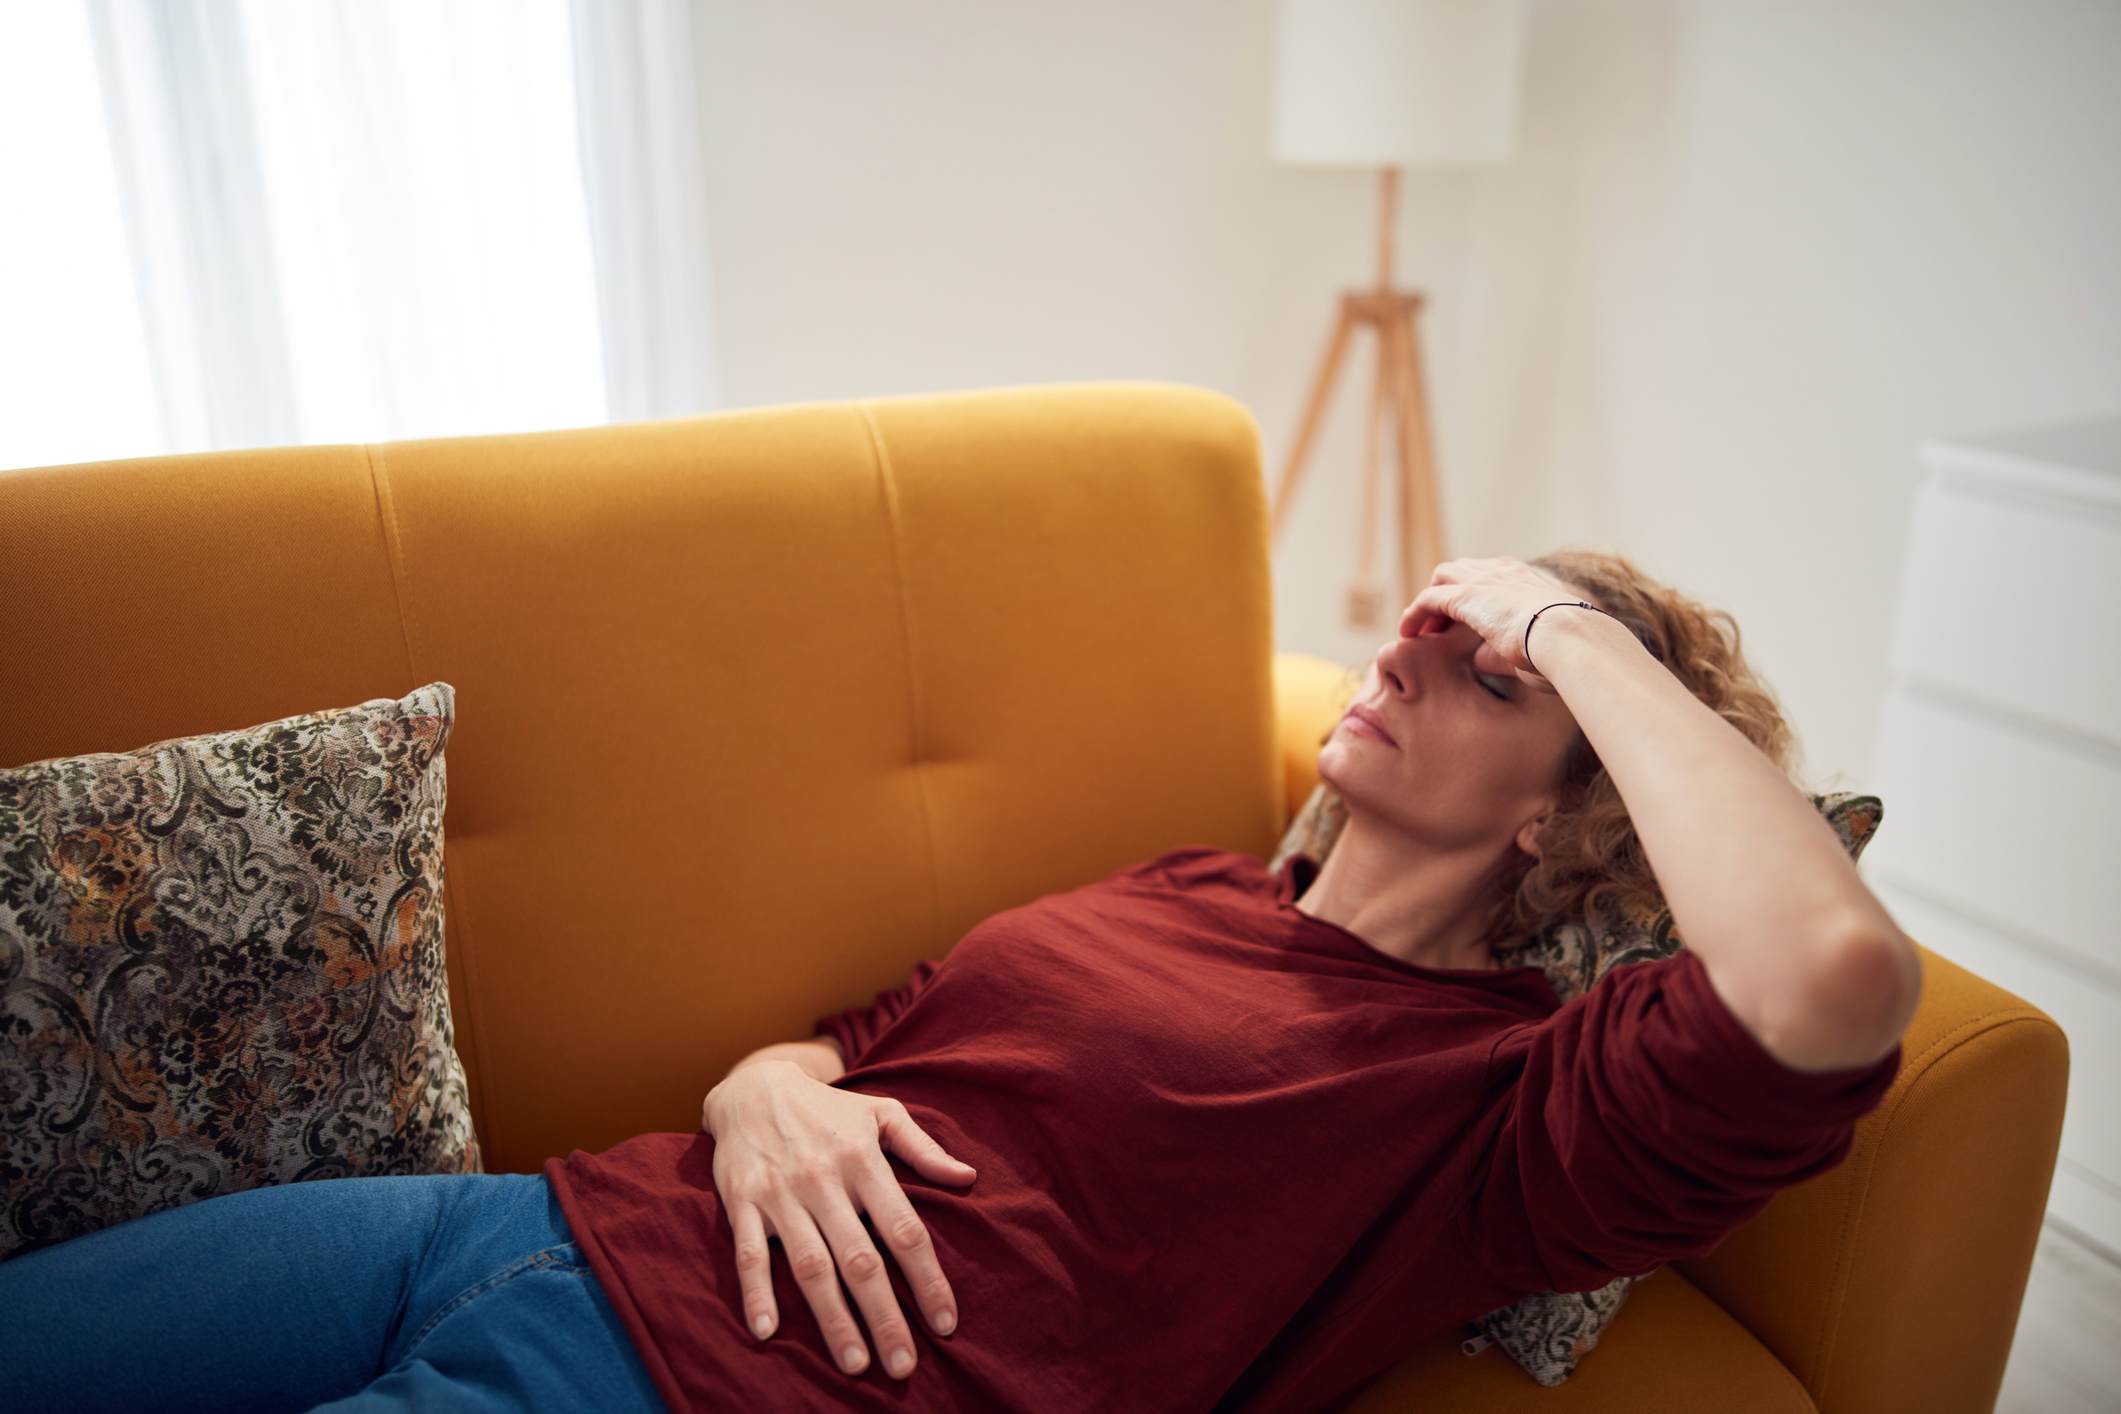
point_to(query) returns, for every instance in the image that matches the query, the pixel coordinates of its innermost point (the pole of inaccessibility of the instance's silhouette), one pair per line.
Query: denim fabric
(357, 1294)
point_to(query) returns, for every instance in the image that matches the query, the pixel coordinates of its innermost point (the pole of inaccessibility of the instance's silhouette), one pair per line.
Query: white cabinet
(1999, 756)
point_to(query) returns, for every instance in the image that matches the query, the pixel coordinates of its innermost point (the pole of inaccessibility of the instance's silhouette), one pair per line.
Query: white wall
(1755, 254)
(1749, 253)
(910, 197)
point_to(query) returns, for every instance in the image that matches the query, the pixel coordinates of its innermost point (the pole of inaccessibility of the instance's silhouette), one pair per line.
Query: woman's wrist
(821, 1058)
(1532, 623)
(1558, 633)
(794, 1063)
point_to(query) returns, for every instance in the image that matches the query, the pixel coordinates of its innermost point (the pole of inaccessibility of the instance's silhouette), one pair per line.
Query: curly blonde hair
(1591, 863)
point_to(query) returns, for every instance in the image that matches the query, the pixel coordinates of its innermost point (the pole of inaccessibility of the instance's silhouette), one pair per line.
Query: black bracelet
(1558, 604)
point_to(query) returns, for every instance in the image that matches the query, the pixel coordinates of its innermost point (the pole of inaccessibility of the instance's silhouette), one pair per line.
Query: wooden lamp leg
(1421, 543)
(1366, 596)
(1399, 395)
(1314, 416)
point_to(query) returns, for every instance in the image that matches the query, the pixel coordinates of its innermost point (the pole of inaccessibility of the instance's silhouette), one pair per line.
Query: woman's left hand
(1494, 598)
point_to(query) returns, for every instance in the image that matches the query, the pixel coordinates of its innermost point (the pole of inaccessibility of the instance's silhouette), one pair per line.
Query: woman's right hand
(796, 1159)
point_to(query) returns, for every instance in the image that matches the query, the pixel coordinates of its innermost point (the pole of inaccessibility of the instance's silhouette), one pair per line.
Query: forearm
(1758, 884)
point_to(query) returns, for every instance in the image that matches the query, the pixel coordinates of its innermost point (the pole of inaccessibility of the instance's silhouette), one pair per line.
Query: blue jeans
(369, 1294)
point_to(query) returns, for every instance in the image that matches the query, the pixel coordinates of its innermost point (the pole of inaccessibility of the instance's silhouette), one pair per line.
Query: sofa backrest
(753, 710)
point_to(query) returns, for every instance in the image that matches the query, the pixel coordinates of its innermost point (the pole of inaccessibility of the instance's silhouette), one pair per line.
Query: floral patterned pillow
(221, 967)
(1549, 1332)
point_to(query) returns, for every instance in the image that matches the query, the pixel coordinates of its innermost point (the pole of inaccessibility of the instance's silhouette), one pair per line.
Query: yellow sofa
(755, 711)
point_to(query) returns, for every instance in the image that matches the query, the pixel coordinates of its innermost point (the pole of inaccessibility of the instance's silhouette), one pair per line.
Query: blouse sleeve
(857, 1030)
(1644, 1124)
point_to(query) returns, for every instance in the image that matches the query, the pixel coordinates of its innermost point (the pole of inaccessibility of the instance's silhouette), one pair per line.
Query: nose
(1395, 668)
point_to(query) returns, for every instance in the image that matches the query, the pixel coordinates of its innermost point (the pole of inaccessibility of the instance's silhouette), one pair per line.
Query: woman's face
(1448, 746)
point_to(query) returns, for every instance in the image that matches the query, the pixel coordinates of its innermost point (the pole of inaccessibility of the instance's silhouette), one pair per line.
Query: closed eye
(1495, 687)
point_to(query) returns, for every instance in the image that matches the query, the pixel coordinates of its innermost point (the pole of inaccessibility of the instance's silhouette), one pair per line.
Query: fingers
(834, 1257)
(1494, 598)
(901, 1227)
(1431, 610)
(811, 1259)
(861, 1267)
(910, 1142)
(754, 1269)
(802, 1164)
(1429, 605)
(907, 1236)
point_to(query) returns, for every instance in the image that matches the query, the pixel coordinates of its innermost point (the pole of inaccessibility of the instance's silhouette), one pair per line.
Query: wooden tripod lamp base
(1398, 400)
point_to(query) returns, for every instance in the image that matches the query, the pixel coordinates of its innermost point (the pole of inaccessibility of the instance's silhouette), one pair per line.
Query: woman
(1177, 1137)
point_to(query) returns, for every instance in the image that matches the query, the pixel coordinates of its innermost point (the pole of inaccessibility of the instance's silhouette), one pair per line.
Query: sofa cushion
(221, 967)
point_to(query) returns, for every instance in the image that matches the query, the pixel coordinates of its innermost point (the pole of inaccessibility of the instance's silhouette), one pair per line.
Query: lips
(1366, 722)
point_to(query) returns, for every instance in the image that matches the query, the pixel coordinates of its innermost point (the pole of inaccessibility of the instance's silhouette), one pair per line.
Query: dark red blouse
(1219, 1140)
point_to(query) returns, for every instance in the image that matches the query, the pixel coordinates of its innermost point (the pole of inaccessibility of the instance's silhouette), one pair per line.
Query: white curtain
(346, 220)
(75, 376)
(178, 107)
(427, 212)
(638, 125)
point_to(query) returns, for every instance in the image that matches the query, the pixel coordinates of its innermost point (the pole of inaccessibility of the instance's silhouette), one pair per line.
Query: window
(261, 221)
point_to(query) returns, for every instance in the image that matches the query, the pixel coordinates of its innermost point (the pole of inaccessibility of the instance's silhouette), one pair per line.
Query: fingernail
(762, 1326)
(944, 1322)
(853, 1358)
(899, 1363)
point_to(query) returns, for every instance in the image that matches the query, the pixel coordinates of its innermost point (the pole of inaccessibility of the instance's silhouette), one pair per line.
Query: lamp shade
(1396, 83)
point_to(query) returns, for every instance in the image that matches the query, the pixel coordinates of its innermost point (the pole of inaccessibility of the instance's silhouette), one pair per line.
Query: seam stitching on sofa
(895, 517)
(1844, 1245)
(1789, 1376)
(467, 1027)
(1964, 1034)
(394, 551)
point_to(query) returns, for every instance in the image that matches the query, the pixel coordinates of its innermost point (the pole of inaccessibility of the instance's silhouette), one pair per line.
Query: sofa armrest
(1309, 696)
(1892, 1284)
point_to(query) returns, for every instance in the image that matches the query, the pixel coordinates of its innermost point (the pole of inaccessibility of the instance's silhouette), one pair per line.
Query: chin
(1338, 769)
(1332, 763)
(1377, 794)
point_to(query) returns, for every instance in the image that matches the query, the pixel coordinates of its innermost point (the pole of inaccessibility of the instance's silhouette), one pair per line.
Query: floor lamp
(1389, 84)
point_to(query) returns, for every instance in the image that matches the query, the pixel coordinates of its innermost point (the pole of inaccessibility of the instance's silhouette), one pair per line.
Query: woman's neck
(1417, 904)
